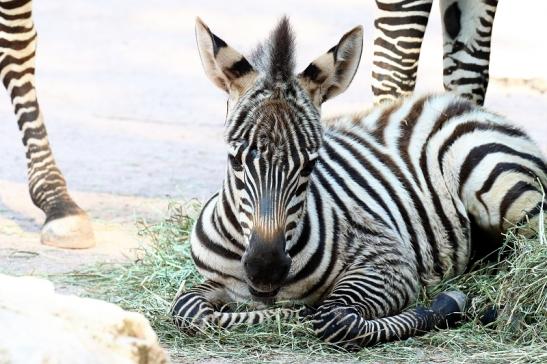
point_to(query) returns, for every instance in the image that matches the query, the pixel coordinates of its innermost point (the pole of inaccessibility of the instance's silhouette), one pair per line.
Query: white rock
(38, 325)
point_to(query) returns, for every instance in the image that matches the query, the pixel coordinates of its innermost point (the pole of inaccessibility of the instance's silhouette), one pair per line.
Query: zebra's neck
(225, 214)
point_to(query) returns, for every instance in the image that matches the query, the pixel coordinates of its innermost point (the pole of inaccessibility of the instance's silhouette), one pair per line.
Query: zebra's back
(428, 168)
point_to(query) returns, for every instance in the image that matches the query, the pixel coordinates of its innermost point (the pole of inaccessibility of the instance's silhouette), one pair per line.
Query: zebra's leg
(498, 177)
(198, 308)
(66, 224)
(399, 28)
(504, 194)
(467, 31)
(365, 308)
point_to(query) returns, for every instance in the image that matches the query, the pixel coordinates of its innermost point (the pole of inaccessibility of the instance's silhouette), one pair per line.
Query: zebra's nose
(266, 263)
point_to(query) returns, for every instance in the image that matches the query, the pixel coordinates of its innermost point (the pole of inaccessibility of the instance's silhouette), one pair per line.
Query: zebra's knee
(523, 207)
(336, 325)
(190, 312)
(510, 197)
(533, 219)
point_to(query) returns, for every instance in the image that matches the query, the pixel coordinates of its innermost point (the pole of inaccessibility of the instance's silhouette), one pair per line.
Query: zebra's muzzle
(266, 264)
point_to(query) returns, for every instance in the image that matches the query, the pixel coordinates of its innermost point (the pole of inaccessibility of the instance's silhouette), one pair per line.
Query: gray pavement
(134, 122)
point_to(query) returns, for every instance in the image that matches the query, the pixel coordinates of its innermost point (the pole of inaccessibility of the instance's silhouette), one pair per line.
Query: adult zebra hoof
(450, 306)
(69, 232)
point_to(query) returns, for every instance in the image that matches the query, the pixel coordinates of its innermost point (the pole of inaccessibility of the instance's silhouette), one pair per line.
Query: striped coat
(387, 202)
(399, 31)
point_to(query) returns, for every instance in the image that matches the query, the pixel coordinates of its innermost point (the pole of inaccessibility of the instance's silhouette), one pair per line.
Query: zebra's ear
(225, 66)
(331, 73)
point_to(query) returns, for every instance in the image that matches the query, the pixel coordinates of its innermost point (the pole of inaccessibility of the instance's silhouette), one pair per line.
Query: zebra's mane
(275, 56)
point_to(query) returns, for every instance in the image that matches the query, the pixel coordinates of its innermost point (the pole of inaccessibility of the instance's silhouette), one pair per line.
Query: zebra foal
(352, 216)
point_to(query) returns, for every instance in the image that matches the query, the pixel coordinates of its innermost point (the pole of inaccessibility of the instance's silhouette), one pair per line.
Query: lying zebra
(355, 217)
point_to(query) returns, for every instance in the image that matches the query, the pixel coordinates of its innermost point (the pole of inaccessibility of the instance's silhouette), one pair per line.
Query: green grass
(148, 284)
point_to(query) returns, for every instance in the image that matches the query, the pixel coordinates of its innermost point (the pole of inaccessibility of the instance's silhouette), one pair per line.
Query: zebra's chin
(264, 297)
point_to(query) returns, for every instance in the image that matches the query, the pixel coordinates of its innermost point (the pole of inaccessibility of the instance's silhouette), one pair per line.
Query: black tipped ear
(225, 66)
(332, 73)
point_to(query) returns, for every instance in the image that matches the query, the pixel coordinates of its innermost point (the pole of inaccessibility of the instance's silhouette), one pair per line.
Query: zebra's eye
(253, 153)
(235, 162)
(307, 168)
(235, 158)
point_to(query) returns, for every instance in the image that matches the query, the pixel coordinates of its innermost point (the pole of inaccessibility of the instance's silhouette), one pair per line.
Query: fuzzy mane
(275, 56)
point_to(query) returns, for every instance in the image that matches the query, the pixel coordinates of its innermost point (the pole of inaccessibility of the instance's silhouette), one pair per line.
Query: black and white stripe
(66, 224)
(399, 30)
(372, 207)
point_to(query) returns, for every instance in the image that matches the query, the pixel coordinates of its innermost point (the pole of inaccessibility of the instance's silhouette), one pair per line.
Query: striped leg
(399, 30)
(467, 31)
(197, 309)
(66, 224)
(365, 309)
(505, 192)
(497, 172)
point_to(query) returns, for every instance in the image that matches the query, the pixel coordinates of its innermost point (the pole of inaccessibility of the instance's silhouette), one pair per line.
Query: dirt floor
(134, 123)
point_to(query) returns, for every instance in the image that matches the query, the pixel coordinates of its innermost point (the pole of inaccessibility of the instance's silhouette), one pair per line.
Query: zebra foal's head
(273, 132)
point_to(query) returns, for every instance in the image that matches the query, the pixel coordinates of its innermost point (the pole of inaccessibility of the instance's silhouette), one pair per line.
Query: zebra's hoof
(489, 315)
(69, 232)
(450, 306)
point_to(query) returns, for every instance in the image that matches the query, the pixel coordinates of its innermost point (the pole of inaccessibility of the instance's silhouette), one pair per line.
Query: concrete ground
(134, 123)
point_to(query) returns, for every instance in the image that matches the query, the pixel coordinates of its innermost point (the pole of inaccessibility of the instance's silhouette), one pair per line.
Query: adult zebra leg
(66, 224)
(197, 309)
(467, 32)
(364, 309)
(399, 30)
